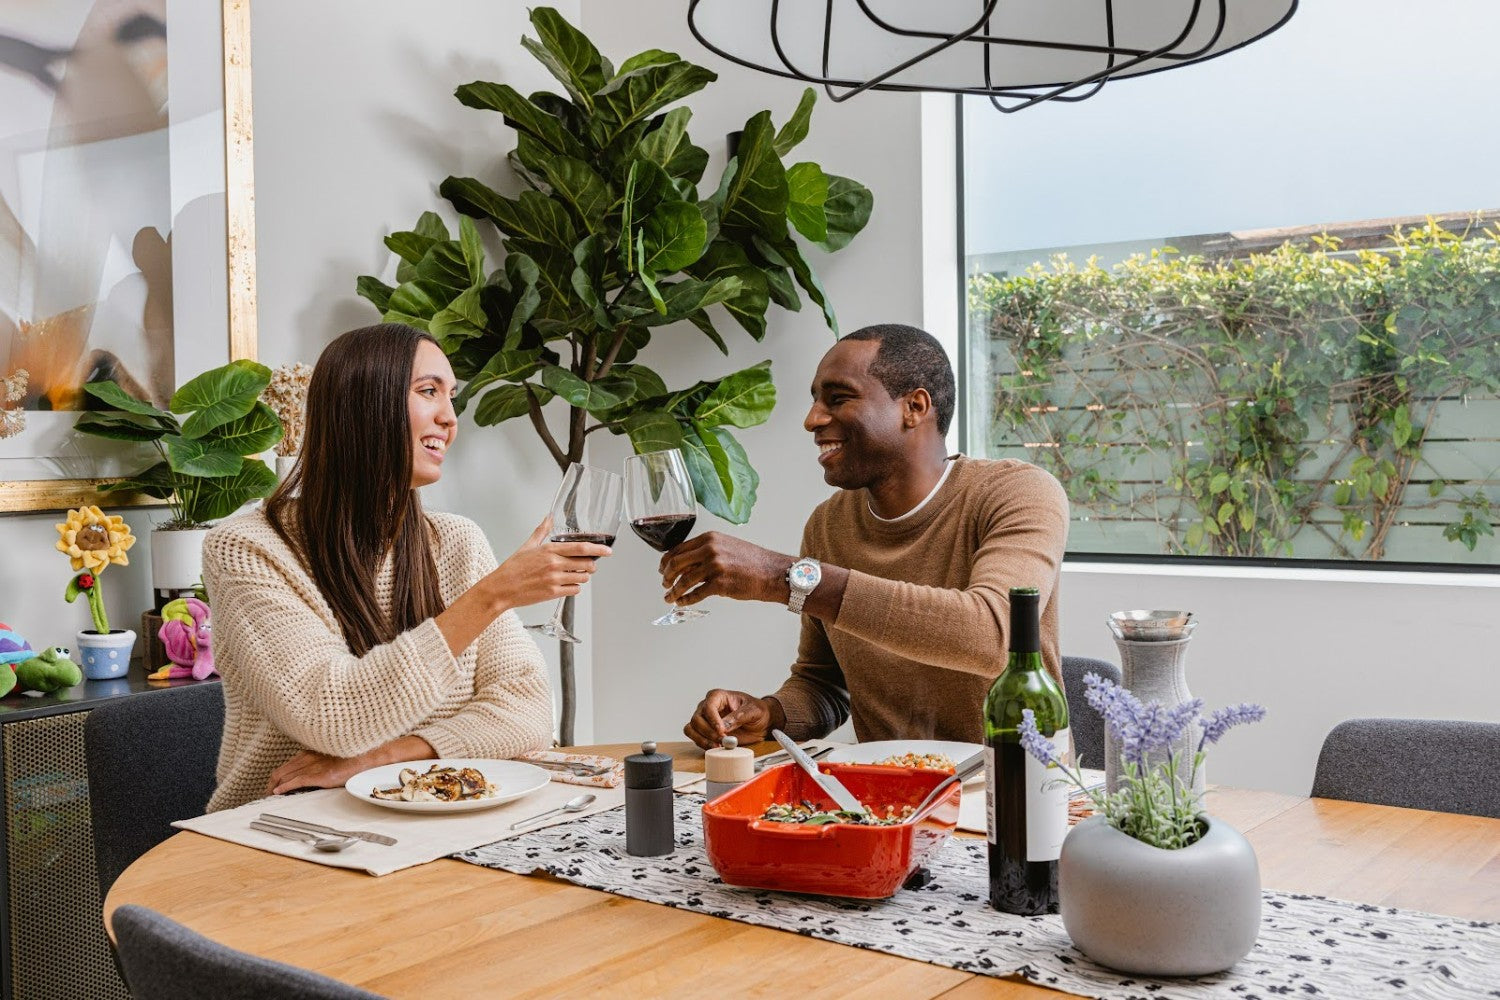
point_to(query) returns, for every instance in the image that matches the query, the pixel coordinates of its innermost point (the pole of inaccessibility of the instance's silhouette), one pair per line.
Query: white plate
(513, 778)
(869, 753)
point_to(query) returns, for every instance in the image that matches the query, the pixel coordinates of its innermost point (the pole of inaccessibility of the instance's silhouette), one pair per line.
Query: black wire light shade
(1016, 52)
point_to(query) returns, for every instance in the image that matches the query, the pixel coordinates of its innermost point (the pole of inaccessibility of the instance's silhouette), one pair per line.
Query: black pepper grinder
(648, 803)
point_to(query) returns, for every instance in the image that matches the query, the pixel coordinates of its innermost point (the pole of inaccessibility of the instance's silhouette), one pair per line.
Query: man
(904, 575)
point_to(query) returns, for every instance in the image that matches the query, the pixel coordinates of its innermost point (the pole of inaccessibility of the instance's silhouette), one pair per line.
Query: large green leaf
(732, 497)
(194, 457)
(748, 306)
(507, 402)
(650, 57)
(532, 216)
(743, 399)
(472, 248)
(653, 430)
(703, 322)
(588, 279)
(220, 395)
(251, 434)
(668, 147)
(847, 211)
(158, 481)
(688, 296)
(444, 264)
(377, 291)
(461, 319)
(416, 302)
(753, 194)
(507, 366)
(795, 129)
(675, 234)
(568, 55)
(576, 183)
(118, 399)
(520, 114)
(409, 246)
(584, 395)
(216, 498)
(431, 224)
(522, 275)
(641, 92)
(808, 279)
(118, 428)
(807, 191)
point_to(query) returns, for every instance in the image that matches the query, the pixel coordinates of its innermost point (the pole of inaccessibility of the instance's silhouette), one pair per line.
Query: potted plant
(207, 469)
(1152, 885)
(94, 541)
(286, 395)
(609, 241)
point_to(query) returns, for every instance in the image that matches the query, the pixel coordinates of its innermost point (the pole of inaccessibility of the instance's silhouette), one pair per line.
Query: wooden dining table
(454, 929)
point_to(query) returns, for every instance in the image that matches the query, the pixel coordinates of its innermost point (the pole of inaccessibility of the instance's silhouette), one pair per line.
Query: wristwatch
(803, 577)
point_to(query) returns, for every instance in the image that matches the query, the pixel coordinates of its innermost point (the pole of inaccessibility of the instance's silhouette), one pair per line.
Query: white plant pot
(177, 558)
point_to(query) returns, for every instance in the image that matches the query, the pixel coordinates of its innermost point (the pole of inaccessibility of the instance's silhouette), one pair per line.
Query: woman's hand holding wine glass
(585, 510)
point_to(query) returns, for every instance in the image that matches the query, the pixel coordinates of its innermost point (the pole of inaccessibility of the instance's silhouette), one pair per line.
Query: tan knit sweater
(291, 683)
(921, 634)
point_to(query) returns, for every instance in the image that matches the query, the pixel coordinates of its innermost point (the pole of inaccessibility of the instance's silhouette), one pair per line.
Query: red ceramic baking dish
(838, 859)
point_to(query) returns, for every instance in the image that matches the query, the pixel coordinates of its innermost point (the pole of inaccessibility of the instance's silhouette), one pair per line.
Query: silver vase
(1155, 669)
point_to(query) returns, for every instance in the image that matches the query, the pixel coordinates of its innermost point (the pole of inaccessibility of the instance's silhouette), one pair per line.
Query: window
(1251, 309)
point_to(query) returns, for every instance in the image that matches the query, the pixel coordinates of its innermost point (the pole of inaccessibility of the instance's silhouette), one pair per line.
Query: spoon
(573, 805)
(328, 845)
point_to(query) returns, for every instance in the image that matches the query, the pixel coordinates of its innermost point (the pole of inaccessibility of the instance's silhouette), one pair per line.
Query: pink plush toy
(187, 636)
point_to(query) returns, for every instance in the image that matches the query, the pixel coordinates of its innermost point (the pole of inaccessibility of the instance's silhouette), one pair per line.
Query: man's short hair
(910, 359)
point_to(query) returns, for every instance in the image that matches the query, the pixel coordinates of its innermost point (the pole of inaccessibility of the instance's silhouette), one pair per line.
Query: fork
(302, 824)
(781, 757)
(576, 768)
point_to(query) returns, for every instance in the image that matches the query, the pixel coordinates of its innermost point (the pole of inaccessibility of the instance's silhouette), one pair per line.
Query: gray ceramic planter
(1143, 910)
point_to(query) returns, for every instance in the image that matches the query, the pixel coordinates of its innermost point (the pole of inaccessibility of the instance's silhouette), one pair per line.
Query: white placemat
(420, 837)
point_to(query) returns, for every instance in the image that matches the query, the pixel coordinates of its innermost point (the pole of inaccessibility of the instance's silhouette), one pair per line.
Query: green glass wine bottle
(1028, 804)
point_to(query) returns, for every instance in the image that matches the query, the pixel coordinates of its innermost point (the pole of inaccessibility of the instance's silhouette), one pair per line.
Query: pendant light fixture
(1016, 52)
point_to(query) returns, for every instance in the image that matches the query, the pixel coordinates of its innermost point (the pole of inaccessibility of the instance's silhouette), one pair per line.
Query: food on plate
(806, 812)
(439, 784)
(925, 761)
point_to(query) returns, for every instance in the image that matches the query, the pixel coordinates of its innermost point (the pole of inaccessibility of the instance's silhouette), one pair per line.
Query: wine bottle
(1028, 801)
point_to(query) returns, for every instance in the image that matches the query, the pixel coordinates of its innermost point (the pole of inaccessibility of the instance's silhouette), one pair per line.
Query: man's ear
(916, 407)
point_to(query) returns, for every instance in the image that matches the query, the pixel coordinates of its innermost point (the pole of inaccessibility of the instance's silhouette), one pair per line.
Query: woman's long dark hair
(349, 500)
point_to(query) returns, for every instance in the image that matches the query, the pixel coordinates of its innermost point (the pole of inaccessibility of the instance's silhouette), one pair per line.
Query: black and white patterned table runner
(1309, 946)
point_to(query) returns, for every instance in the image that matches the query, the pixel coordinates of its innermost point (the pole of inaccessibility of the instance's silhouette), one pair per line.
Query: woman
(352, 629)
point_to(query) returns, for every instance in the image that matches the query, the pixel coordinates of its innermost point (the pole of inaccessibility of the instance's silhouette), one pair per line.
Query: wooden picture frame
(45, 494)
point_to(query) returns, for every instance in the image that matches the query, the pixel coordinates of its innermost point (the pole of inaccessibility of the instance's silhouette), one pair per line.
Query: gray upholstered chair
(1086, 724)
(151, 760)
(1417, 763)
(164, 960)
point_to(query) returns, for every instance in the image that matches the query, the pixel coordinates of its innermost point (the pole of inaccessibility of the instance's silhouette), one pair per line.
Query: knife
(841, 796)
(302, 824)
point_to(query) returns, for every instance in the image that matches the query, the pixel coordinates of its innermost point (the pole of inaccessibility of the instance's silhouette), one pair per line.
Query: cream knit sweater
(291, 683)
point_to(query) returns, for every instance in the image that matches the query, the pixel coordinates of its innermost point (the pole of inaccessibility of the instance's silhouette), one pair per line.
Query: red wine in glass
(663, 531)
(586, 509)
(662, 507)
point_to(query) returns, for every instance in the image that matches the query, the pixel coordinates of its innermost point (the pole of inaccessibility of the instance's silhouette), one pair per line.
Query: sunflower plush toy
(93, 541)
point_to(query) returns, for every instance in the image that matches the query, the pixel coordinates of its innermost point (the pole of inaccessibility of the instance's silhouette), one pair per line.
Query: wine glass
(660, 503)
(586, 509)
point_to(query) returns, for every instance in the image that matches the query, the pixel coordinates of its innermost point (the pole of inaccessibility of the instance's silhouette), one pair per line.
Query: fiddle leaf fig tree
(611, 239)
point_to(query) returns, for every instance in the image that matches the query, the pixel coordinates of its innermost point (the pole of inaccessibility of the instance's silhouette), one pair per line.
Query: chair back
(1416, 763)
(164, 960)
(151, 759)
(1086, 725)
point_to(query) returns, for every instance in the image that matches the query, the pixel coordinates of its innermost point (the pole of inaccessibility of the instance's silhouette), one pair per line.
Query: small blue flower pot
(105, 656)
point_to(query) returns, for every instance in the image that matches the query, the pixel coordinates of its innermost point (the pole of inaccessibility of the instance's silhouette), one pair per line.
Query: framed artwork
(127, 238)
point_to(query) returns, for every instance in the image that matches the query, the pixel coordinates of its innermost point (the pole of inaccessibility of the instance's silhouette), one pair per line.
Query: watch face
(805, 575)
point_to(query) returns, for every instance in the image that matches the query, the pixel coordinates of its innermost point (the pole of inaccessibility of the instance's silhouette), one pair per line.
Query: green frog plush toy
(49, 671)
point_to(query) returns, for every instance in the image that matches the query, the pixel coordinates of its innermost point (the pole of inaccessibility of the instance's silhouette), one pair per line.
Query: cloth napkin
(605, 779)
(973, 811)
(420, 836)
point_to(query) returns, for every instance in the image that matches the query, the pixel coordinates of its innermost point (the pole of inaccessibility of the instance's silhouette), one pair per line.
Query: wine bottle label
(991, 779)
(1046, 804)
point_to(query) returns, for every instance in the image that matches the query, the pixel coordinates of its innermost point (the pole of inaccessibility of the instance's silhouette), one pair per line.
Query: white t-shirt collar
(947, 468)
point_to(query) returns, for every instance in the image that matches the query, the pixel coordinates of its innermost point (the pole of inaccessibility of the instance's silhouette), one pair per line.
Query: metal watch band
(798, 596)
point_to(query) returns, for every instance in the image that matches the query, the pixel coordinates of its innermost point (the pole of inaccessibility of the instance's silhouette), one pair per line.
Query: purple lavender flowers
(1153, 804)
